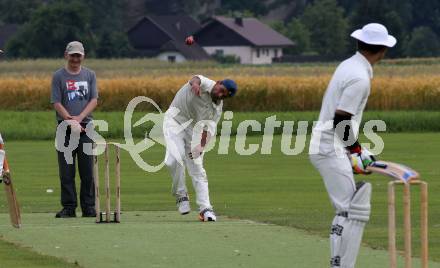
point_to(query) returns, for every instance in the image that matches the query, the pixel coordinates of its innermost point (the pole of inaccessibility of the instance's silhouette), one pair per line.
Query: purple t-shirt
(74, 91)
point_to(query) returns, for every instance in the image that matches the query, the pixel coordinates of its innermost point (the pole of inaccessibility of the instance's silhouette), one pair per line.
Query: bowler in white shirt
(189, 123)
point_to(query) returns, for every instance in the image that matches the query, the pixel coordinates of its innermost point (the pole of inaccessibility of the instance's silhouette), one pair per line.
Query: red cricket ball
(189, 40)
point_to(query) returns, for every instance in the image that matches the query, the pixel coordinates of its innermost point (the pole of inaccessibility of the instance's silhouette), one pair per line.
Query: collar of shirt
(217, 106)
(209, 89)
(361, 58)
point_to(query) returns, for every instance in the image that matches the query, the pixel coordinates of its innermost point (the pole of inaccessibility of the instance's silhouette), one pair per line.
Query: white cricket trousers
(338, 179)
(345, 233)
(178, 143)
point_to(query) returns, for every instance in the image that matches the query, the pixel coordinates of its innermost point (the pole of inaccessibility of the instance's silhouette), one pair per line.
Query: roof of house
(253, 30)
(193, 52)
(177, 28)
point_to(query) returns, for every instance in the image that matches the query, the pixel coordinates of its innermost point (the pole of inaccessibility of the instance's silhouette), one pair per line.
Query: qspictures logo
(292, 142)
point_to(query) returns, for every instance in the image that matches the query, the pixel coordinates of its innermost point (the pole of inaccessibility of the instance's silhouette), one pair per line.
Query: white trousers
(338, 179)
(345, 234)
(178, 143)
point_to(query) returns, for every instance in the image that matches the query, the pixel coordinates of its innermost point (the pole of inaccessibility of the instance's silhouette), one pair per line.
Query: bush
(226, 59)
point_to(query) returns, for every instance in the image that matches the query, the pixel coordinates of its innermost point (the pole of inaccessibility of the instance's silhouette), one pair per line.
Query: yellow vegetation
(256, 93)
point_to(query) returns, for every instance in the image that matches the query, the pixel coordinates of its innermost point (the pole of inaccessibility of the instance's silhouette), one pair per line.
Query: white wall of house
(247, 54)
(264, 55)
(243, 52)
(171, 56)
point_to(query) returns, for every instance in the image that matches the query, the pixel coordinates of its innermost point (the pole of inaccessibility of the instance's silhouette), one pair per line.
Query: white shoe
(183, 205)
(207, 215)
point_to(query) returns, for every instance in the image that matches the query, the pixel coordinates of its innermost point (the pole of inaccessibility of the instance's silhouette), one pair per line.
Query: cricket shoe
(207, 215)
(89, 212)
(183, 205)
(66, 213)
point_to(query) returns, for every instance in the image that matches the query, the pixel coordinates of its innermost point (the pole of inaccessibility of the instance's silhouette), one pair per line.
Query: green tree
(295, 31)
(426, 13)
(50, 28)
(279, 27)
(105, 15)
(105, 49)
(257, 7)
(107, 26)
(325, 21)
(298, 33)
(113, 45)
(13, 11)
(423, 43)
(394, 14)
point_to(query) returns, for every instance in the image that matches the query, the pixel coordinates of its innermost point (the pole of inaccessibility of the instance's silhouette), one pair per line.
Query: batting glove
(360, 160)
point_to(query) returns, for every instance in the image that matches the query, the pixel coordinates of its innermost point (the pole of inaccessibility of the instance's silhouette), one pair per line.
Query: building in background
(163, 37)
(248, 39)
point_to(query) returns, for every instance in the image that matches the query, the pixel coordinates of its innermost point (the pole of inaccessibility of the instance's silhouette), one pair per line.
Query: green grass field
(276, 189)
(41, 125)
(164, 239)
(274, 210)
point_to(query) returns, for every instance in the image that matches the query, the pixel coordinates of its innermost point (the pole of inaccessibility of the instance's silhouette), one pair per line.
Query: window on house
(219, 52)
(171, 58)
(258, 52)
(276, 52)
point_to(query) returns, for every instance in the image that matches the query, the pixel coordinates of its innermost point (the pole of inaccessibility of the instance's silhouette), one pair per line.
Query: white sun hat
(374, 34)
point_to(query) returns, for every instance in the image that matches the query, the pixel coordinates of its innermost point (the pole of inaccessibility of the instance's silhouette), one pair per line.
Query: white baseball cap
(374, 34)
(75, 47)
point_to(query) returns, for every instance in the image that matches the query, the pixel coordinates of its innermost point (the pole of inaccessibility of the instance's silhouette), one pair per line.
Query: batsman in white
(334, 149)
(189, 123)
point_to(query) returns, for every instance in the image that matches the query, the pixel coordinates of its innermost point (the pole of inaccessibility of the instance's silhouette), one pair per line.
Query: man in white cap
(334, 149)
(74, 97)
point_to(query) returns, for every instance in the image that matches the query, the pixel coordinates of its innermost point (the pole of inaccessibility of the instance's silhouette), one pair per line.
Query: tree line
(323, 26)
(318, 27)
(46, 26)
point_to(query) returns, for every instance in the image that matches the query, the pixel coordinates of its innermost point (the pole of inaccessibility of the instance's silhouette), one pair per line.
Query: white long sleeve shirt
(197, 108)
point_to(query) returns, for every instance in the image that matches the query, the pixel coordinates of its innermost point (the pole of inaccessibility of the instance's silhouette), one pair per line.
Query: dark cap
(231, 86)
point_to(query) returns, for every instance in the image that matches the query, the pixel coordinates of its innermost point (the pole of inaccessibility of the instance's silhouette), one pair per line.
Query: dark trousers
(67, 175)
